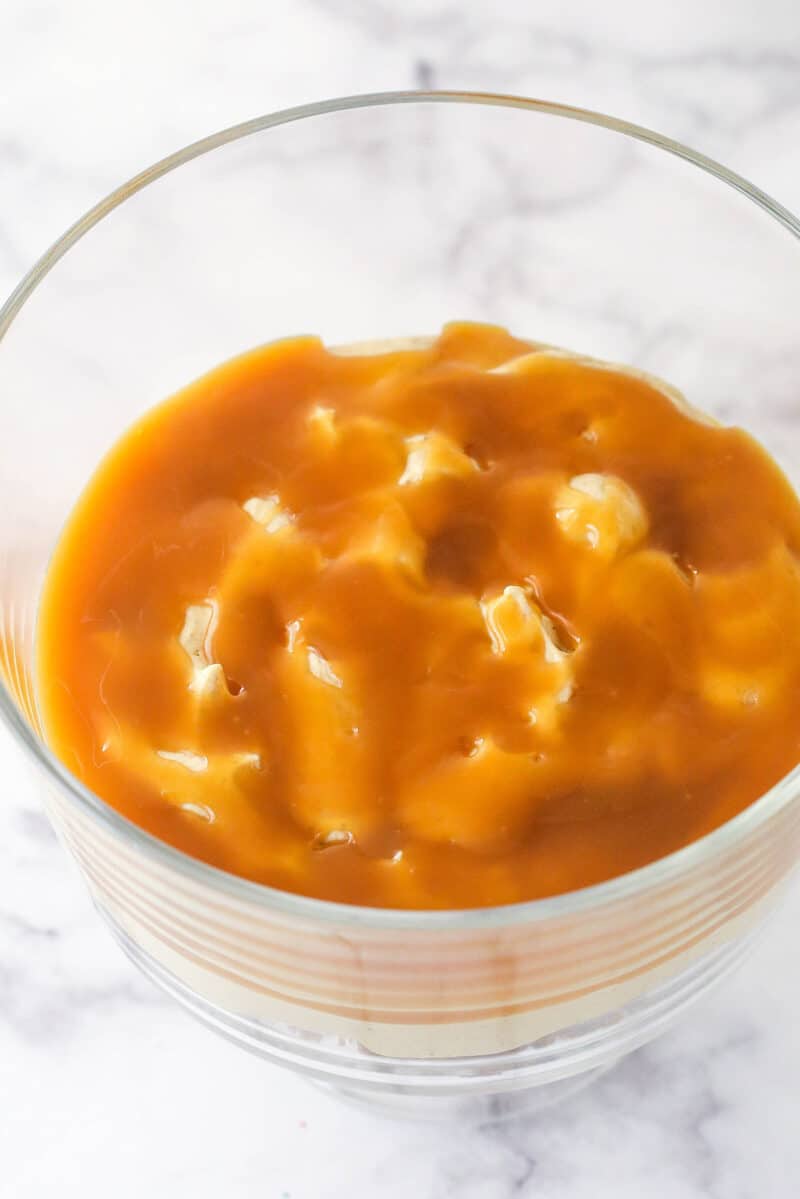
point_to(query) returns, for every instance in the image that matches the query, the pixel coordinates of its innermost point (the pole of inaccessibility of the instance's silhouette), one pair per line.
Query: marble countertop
(105, 1087)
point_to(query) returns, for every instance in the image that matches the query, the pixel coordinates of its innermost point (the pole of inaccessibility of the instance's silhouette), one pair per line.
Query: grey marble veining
(105, 1088)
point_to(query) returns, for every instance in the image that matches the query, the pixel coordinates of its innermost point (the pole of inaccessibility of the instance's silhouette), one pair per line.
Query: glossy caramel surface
(446, 626)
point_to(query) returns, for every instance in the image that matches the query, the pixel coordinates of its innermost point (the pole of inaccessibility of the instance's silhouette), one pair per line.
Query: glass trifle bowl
(367, 219)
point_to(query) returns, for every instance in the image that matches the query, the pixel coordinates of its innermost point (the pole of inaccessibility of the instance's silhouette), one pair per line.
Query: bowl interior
(371, 218)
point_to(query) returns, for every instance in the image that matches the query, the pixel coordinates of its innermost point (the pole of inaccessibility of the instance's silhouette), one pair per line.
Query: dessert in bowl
(422, 711)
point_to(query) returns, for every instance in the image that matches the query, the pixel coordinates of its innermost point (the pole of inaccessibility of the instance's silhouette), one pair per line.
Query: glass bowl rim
(614, 890)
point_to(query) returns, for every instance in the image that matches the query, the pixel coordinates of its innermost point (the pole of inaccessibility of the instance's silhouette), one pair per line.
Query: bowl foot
(493, 1108)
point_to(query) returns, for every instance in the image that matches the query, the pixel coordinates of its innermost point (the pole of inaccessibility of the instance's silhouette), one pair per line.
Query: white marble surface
(105, 1088)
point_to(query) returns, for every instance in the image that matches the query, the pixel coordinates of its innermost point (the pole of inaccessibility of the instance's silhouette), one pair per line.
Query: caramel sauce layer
(465, 623)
